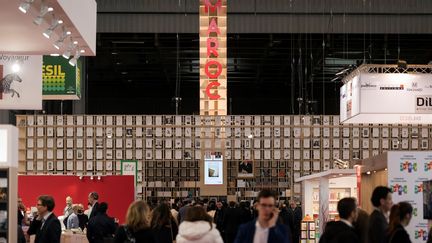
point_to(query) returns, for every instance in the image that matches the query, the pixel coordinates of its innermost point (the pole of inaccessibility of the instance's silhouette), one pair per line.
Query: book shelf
(170, 149)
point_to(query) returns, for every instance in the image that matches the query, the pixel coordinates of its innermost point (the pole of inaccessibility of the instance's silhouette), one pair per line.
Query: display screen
(427, 199)
(3, 146)
(213, 170)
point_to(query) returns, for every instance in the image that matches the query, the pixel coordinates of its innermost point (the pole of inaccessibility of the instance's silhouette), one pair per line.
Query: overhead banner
(406, 173)
(387, 98)
(20, 82)
(61, 81)
(213, 57)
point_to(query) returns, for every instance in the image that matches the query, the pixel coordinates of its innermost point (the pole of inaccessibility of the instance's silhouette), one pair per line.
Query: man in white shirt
(265, 229)
(342, 231)
(46, 226)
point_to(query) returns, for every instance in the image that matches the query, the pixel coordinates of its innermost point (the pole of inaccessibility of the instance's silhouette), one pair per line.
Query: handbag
(129, 236)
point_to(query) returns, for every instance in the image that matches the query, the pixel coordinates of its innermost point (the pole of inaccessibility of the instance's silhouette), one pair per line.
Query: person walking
(198, 227)
(101, 227)
(163, 224)
(342, 231)
(265, 229)
(400, 217)
(378, 224)
(46, 226)
(137, 228)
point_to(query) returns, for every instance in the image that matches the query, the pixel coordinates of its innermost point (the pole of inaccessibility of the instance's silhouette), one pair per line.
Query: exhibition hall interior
(215, 121)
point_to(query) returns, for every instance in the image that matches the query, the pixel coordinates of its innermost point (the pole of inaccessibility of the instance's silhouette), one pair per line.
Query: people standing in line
(163, 224)
(82, 218)
(68, 210)
(45, 226)
(265, 229)
(72, 219)
(93, 198)
(342, 231)
(400, 217)
(101, 227)
(137, 225)
(378, 224)
(231, 222)
(219, 216)
(361, 225)
(198, 227)
(182, 211)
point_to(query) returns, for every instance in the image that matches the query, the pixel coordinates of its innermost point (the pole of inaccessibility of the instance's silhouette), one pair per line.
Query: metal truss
(383, 68)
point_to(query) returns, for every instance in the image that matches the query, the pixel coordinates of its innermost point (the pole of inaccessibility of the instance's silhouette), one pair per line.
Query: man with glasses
(265, 229)
(46, 226)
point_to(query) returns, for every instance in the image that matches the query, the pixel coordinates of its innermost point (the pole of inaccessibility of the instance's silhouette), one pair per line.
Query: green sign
(60, 80)
(130, 167)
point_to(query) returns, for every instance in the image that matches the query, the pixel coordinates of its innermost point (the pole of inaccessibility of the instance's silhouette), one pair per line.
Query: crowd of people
(218, 222)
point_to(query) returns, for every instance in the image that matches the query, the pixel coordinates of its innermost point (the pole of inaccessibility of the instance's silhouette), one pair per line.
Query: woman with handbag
(400, 216)
(137, 228)
(163, 224)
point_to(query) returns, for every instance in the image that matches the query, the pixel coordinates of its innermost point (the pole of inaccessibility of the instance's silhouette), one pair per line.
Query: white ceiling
(19, 35)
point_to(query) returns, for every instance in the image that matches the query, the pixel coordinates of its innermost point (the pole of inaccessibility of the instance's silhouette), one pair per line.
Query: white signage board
(8, 146)
(387, 98)
(213, 170)
(406, 173)
(20, 82)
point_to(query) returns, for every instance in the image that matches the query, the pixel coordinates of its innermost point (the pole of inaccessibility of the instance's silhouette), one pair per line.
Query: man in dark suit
(342, 231)
(231, 222)
(265, 229)
(101, 226)
(46, 226)
(93, 198)
(378, 224)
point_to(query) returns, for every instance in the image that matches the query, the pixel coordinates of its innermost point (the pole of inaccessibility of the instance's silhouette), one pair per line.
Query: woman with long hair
(163, 224)
(400, 216)
(137, 227)
(198, 227)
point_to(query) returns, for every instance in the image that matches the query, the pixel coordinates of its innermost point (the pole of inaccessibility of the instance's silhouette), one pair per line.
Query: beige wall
(368, 183)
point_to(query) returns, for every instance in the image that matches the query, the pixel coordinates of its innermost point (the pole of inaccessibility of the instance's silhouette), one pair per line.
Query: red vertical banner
(358, 175)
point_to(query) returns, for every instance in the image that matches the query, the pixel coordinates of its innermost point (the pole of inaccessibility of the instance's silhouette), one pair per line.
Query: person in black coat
(382, 201)
(46, 226)
(100, 226)
(219, 216)
(163, 224)
(231, 222)
(93, 198)
(342, 231)
(295, 214)
(400, 216)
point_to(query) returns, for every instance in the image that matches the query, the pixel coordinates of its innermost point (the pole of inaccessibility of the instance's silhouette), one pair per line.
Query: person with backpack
(137, 228)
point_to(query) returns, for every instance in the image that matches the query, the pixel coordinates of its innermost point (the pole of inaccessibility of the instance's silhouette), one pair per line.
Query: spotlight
(74, 60)
(82, 51)
(16, 67)
(368, 173)
(25, 5)
(59, 43)
(68, 51)
(80, 177)
(99, 178)
(91, 178)
(55, 23)
(43, 11)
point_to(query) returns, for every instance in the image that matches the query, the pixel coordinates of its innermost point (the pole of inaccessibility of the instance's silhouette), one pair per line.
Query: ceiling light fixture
(25, 5)
(69, 50)
(55, 23)
(59, 43)
(43, 11)
(55, 55)
(74, 60)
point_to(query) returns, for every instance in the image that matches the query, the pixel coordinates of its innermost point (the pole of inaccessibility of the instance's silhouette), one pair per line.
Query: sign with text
(406, 173)
(213, 57)
(61, 81)
(20, 82)
(387, 98)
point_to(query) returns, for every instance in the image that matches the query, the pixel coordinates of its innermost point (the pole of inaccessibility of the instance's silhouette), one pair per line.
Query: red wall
(117, 191)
